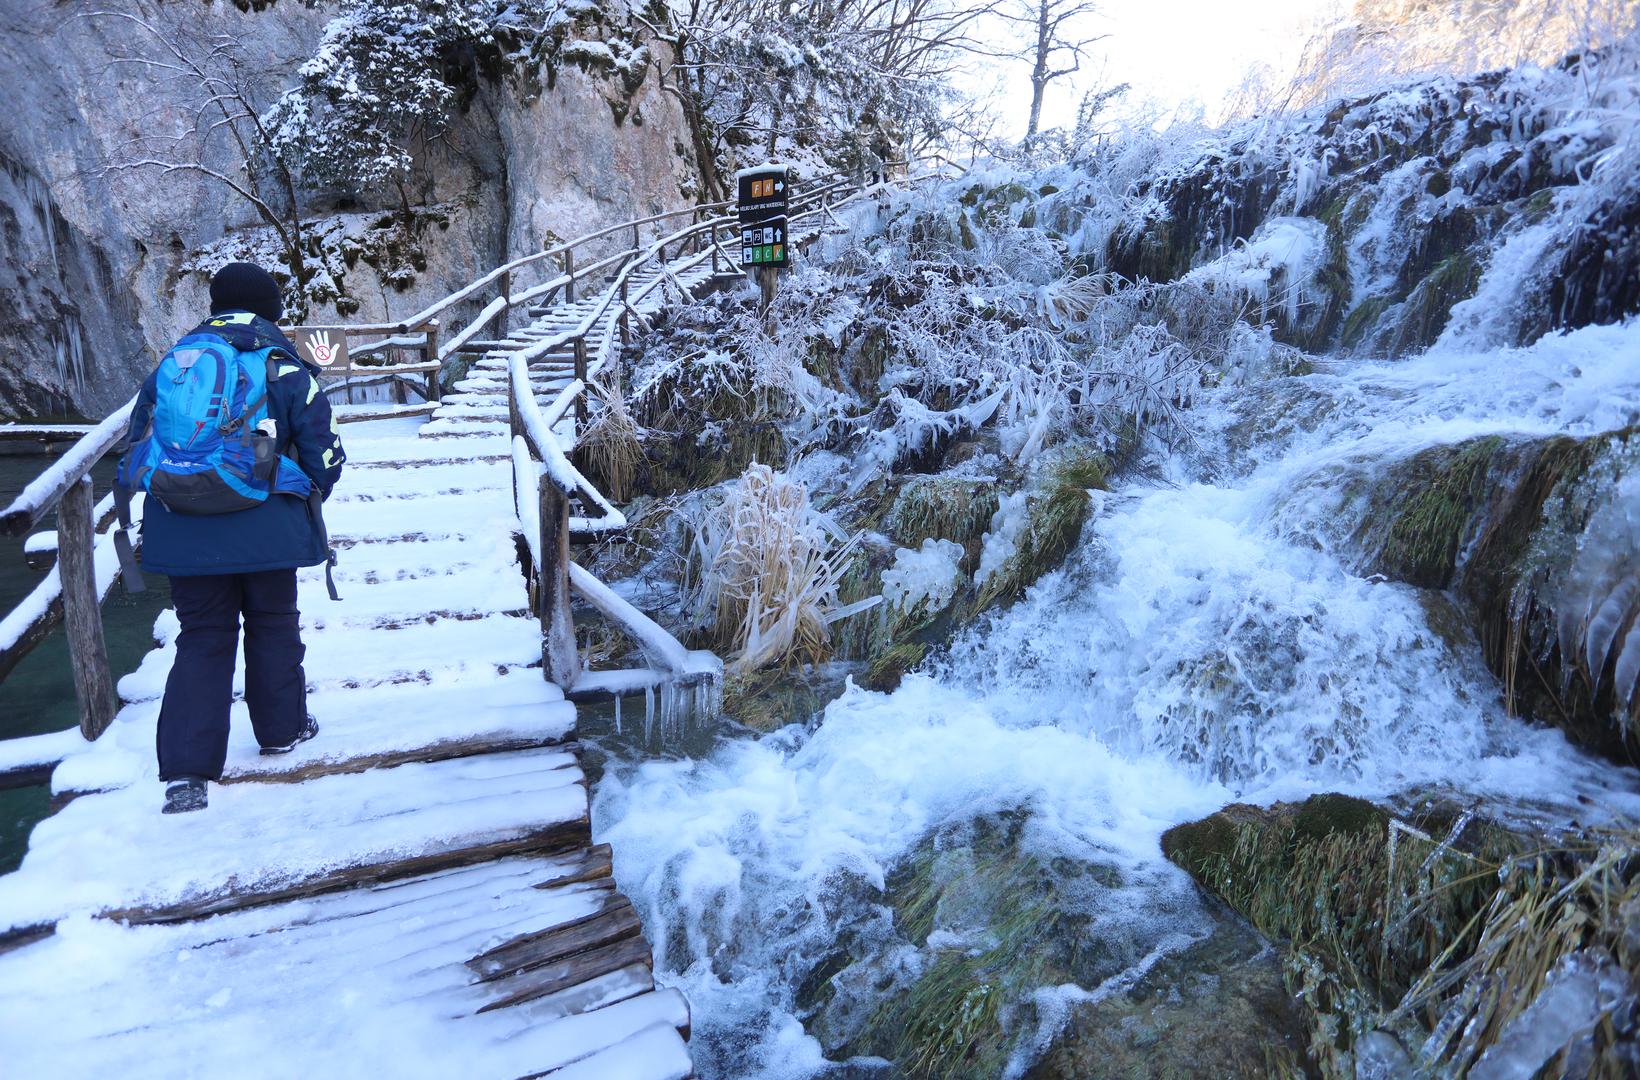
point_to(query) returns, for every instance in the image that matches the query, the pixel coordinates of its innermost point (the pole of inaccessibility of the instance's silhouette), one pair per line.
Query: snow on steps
(417, 881)
(380, 974)
(366, 727)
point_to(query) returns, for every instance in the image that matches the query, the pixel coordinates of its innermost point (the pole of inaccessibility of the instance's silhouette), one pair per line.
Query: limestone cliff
(100, 268)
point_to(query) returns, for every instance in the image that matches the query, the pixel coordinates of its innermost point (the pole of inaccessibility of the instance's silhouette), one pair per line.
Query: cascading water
(1217, 636)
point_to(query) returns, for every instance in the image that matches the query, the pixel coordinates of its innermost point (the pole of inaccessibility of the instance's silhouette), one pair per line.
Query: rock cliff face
(99, 268)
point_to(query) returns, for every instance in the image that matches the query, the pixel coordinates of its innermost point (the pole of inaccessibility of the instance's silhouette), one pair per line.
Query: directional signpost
(763, 235)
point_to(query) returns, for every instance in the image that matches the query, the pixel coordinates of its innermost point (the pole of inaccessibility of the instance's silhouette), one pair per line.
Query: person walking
(235, 446)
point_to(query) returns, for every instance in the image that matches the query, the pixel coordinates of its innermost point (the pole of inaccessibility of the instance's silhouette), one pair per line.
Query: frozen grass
(764, 570)
(611, 447)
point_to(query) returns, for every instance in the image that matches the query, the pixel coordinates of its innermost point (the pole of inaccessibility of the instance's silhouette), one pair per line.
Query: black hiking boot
(309, 730)
(185, 795)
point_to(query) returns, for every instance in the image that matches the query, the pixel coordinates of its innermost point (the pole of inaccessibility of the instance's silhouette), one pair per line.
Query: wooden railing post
(506, 296)
(581, 373)
(435, 388)
(569, 271)
(82, 610)
(559, 657)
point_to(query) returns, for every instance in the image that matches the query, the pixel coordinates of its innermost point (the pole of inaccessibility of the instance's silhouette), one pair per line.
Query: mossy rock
(1444, 487)
(1429, 306)
(889, 668)
(1052, 530)
(1383, 927)
(1361, 320)
(1217, 1008)
(944, 508)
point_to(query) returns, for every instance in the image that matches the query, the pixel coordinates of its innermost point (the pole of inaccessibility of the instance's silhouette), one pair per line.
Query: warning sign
(325, 349)
(764, 244)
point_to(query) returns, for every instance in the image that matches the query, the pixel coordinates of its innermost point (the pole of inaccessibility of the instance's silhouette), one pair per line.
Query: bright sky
(1176, 51)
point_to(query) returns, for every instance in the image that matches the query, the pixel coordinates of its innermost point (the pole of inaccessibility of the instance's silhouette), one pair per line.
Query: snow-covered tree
(844, 82)
(223, 135)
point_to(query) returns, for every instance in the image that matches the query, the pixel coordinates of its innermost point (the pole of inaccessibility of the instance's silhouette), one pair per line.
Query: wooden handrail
(45, 491)
(86, 569)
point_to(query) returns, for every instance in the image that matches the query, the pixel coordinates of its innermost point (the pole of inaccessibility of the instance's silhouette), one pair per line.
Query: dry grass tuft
(611, 448)
(764, 573)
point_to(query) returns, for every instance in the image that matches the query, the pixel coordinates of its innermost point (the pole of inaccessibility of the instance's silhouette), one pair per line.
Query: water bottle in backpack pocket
(204, 451)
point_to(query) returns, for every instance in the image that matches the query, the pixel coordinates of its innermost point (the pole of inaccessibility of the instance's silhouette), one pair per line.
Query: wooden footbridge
(417, 888)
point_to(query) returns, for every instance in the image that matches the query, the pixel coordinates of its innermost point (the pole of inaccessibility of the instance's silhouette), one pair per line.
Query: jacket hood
(247, 332)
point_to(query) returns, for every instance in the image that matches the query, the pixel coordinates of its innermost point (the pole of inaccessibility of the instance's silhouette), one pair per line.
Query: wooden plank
(576, 1037)
(593, 865)
(260, 771)
(656, 1053)
(559, 655)
(529, 951)
(82, 611)
(360, 414)
(22, 776)
(563, 974)
(549, 839)
(44, 492)
(21, 936)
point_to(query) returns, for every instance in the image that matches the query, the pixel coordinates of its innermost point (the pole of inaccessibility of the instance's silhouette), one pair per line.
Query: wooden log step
(374, 482)
(583, 1038)
(412, 451)
(329, 982)
(261, 843)
(565, 973)
(368, 727)
(493, 589)
(358, 414)
(29, 760)
(592, 864)
(493, 515)
(476, 649)
(617, 920)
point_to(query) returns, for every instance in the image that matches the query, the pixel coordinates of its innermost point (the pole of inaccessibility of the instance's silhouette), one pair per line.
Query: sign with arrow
(764, 244)
(762, 208)
(762, 193)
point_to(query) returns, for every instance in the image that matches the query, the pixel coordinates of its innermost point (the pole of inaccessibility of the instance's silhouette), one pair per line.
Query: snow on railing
(86, 565)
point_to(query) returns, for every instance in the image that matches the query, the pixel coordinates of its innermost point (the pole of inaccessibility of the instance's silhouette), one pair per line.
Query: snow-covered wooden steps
(416, 887)
(403, 976)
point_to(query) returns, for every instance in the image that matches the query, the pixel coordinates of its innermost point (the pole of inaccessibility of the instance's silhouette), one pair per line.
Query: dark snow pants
(193, 721)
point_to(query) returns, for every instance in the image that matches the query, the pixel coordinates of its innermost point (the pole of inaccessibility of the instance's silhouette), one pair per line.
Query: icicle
(617, 713)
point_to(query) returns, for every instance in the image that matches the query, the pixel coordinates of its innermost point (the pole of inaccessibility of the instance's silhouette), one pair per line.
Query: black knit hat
(246, 287)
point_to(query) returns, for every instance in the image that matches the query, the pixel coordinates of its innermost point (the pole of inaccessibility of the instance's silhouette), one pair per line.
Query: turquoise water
(39, 695)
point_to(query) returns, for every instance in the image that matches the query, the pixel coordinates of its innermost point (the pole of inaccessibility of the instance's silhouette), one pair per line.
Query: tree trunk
(1039, 71)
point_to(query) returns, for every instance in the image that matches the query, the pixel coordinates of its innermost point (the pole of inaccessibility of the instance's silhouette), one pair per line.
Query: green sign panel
(764, 244)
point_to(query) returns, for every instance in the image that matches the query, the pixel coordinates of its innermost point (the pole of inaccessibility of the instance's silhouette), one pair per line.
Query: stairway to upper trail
(417, 887)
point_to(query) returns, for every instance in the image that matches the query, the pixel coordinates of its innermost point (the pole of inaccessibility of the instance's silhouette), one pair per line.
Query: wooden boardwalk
(417, 887)
(441, 804)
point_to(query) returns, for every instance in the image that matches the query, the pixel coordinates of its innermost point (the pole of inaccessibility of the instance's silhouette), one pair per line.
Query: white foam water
(1205, 644)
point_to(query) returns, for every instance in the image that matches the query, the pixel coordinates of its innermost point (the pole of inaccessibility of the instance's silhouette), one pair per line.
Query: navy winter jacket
(278, 534)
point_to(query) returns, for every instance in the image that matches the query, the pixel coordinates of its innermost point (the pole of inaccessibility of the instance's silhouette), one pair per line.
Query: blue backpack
(206, 450)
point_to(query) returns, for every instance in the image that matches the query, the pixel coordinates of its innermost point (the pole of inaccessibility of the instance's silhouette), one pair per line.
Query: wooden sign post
(764, 241)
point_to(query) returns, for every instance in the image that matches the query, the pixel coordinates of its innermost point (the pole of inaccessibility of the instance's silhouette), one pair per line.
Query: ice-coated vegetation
(1287, 458)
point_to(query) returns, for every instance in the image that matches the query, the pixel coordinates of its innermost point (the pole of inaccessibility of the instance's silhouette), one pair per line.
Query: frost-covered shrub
(763, 572)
